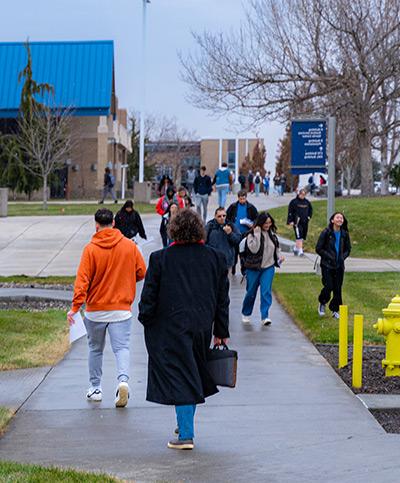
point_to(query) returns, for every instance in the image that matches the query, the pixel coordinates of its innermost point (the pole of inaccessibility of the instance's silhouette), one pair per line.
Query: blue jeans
(222, 194)
(263, 279)
(185, 420)
(119, 333)
(257, 189)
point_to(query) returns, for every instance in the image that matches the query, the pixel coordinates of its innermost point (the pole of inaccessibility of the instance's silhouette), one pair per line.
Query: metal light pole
(143, 104)
(331, 166)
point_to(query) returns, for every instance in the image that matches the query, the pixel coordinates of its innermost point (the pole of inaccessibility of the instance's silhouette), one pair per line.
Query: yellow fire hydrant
(389, 326)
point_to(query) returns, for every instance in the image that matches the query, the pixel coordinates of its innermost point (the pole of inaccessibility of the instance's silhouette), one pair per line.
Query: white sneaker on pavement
(122, 395)
(266, 322)
(94, 394)
(246, 319)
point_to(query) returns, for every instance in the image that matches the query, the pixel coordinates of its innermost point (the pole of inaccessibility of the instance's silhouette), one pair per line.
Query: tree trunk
(384, 167)
(348, 169)
(364, 145)
(45, 192)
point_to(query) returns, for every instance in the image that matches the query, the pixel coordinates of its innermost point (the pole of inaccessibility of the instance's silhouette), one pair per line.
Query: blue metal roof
(82, 74)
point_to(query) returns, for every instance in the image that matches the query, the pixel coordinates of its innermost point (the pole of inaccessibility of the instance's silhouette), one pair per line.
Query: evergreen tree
(283, 161)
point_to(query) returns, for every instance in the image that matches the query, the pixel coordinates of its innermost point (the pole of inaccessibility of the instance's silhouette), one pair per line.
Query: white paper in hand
(77, 330)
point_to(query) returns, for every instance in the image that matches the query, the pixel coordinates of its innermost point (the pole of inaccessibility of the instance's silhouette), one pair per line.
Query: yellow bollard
(343, 336)
(357, 350)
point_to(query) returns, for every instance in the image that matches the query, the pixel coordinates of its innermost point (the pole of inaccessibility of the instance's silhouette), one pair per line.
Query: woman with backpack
(129, 222)
(261, 256)
(257, 183)
(333, 247)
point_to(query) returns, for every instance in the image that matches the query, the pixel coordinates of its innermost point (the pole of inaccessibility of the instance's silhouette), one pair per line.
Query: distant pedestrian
(283, 184)
(262, 255)
(223, 236)
(277, 183)
(129, 222)
(322, 180)
(183, 194)
(242, 214)
(184, 301)
(299, 214)
(267, 183)
(311, 184)
(333, 247)
(257, 183)
(106, 283)
(162, 208)
(108, 186)
(250, 181)
(222, 181)
(202, 189)
(165, 182)
(190, 177)
(242, 181)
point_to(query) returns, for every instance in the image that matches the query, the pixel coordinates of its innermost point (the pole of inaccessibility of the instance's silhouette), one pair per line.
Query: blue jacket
(222, 177)
(218, 239)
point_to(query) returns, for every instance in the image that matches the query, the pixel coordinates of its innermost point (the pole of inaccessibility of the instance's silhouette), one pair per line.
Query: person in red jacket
(106, 280)
(162, 208)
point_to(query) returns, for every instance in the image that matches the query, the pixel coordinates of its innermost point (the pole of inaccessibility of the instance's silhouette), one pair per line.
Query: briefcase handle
(221, 346)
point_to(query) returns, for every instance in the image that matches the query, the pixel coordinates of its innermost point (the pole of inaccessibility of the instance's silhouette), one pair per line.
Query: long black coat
(185, 292)
(327, 251)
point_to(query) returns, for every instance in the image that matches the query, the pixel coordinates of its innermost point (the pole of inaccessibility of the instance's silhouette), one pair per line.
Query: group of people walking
(184, 303)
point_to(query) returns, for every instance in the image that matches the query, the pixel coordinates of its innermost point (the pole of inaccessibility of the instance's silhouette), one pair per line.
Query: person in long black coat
(129, 222)
(185, 299)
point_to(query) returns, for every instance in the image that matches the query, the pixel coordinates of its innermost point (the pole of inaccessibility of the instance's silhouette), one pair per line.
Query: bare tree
(334, 56)
(45, 139)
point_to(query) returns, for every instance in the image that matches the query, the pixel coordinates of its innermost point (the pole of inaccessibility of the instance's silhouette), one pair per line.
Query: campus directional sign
(308, 151)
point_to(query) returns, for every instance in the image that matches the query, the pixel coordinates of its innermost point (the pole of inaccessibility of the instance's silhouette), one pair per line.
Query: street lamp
(142, 111)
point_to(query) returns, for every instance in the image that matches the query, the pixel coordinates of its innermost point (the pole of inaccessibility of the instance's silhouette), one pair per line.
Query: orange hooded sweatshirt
(109, 269)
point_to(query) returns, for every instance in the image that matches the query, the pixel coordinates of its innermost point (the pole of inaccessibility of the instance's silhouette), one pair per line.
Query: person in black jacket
(334, 247)
(202, 188)
(108, 186)
(185, 299)
(299, 214)
(242, 214)
(223, 236)
(129, 222)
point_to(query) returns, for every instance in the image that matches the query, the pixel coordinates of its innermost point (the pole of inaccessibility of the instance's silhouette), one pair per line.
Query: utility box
(142, 192)
(3, 202)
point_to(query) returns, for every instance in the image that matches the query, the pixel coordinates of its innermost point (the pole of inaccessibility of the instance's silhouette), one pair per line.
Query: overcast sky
(169, 24)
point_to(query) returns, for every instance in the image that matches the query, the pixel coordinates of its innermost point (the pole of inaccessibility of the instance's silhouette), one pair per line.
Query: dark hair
(262, 218)
(107, 170)
(182, 188)
(186, 227)
(242, 193)
(220, 208)
(170, 190)
(104, 217)
(203, 168)
(224, 164)
(345, 225)
(127, 204)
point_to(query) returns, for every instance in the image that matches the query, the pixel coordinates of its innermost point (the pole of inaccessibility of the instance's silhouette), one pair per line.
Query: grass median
(32, 339)
(65, 209)
(19, 473)
(372, 221)
(26, 280)
(5, 417)
(364, 293)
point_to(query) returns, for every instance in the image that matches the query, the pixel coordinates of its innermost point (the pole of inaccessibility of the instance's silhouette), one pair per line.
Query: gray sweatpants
(202, 202)
(119, 333)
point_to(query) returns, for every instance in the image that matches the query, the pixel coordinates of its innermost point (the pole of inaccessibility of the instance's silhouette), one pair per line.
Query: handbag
(222, 365)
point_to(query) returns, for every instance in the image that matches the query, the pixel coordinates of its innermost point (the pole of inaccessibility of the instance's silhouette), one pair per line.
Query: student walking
(163, 209)
(299, 214)
(277, 184)
(223, 236)
(202, 188)
(105, 282)
(190, 177)
(184, 301)
(333, 247)
(129, 222)
(108, 186)
(262, 255)
(257, 183)
(267, 183)
(222, 181)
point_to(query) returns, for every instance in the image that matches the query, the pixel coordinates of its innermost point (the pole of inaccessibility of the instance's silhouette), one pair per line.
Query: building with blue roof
(82, 75)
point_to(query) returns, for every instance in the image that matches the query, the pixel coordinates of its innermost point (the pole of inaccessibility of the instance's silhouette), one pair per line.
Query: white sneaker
(122, 395)
(266, 321)
(94, 394)
(246, 319)
(295, 251)
(335, 315)
(301, 253)
(321, 310)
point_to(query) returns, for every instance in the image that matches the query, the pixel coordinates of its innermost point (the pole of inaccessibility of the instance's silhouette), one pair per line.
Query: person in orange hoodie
(106, 280)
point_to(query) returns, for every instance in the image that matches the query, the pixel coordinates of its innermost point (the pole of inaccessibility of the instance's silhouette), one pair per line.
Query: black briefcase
(222, 365)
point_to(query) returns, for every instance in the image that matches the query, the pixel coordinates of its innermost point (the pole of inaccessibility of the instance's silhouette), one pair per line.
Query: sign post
(308, 151)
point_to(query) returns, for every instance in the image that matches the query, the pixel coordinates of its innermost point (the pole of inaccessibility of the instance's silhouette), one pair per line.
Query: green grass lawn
(5, 416)
(364, 293)
(33, 209)
(32, 339)
(58, 280)
(373, 224)
(20, 473)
